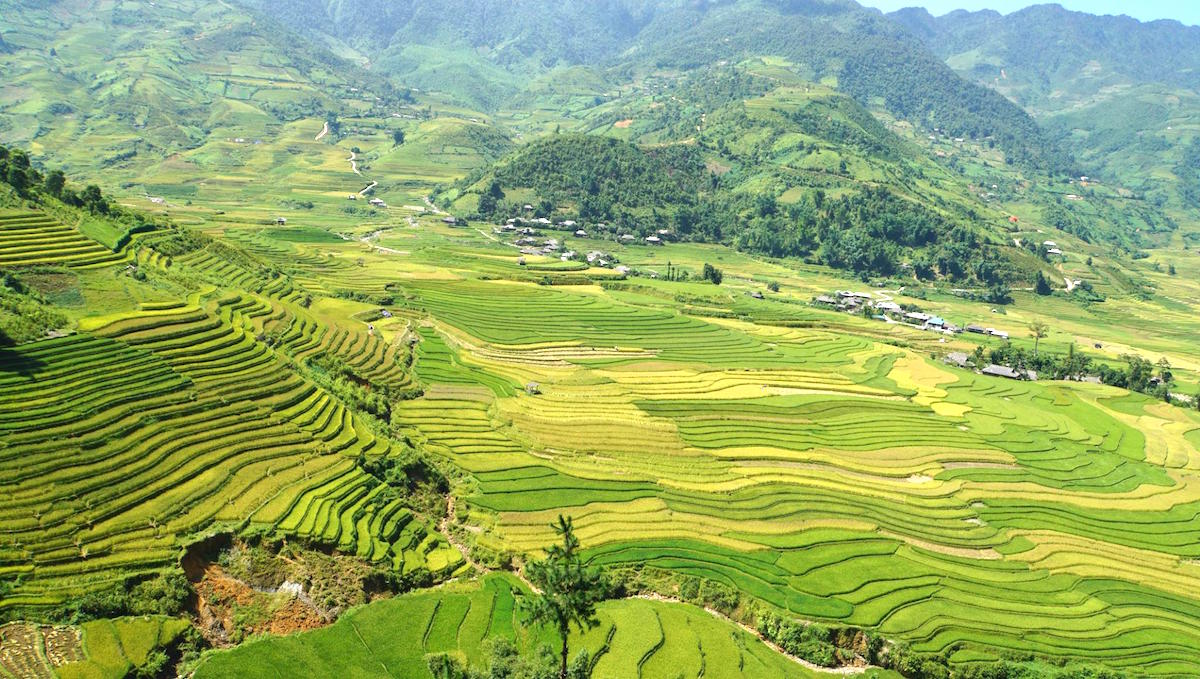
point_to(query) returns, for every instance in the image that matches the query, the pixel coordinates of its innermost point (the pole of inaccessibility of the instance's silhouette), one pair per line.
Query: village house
(281, 220)
(627, 237)
(860, 296)
(581, 234)
(1001, 371)
(377, 202)
(888, 307)
(977, 329)
(653, 240)
(917, 317)
(958, 358)
(353, 196)
(450, 220)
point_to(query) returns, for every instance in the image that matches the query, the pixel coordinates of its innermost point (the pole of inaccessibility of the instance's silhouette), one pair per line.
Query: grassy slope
(460, 620)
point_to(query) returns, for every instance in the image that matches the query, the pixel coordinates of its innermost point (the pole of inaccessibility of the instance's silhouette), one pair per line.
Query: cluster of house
(887, 310)
(516, 224)
(962, 360)
(1051, 248)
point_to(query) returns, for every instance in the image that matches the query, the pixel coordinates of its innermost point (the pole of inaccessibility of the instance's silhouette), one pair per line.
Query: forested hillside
(1122, 95)
(1052, 57)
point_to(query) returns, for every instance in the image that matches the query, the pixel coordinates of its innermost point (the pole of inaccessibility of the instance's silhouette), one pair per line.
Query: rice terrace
(612, 340)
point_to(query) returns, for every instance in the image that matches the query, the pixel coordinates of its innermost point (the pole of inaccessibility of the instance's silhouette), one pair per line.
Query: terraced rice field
(96, 648)
(123, 443)
(28, 238)
(635, 638)
(832, 477)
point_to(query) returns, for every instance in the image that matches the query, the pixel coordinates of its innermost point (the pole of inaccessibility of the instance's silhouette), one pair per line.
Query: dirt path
(1070, 283)
(369, 241)
(432, 208)
(370, 186)
(492, 237)
(324, 131)
(451, 517)
(354, 162)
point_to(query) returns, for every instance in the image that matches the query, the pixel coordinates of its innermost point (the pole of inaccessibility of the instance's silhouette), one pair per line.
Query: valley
(318, 337)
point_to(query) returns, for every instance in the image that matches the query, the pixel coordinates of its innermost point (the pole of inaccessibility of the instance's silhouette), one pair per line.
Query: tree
(1038, 331)
(398, 137)
(445, 666)
(17, 179)
(1164, 371)
(712, 273)
(94, 200)
(55, 181)
(569, 590)
(1042, 285)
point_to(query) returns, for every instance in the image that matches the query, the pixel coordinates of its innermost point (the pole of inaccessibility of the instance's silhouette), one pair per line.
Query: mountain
(1047, 58)
(1122, 95)
(489, 57)
(103, 86)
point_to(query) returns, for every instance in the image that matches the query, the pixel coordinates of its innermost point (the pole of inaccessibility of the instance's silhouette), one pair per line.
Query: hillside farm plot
(28, 238)
(122, 443)
(833, 478)
(635, 638)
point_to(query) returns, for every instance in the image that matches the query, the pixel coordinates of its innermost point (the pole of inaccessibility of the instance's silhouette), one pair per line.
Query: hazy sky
(1187, 11)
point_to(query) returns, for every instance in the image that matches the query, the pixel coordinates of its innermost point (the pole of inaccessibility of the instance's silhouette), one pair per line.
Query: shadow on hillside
(15, 362)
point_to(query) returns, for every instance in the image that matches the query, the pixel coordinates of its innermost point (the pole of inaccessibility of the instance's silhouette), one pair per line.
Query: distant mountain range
(486, 51)
(1122, 95)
